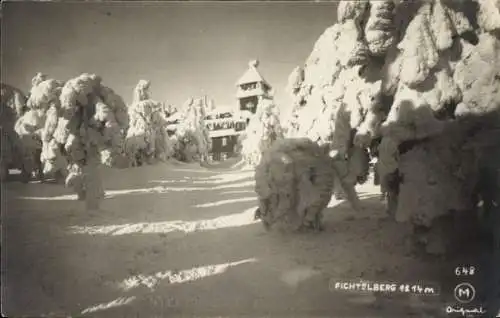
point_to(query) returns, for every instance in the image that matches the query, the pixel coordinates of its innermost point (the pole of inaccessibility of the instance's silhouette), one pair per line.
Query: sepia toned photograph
(250, 158)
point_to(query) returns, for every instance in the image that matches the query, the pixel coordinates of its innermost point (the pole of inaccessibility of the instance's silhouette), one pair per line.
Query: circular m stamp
(464, 293)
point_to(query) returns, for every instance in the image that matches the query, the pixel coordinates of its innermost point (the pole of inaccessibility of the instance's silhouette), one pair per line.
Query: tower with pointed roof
(252, 88)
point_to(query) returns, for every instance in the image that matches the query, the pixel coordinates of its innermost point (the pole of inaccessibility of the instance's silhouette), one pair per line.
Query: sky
(186, 49)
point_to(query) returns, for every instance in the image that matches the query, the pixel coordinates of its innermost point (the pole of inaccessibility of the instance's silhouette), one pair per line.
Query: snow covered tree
(439, 99)
(421, 76)
(43, 100)
(169, 110)
(192, 137)
(86, 119)
(112, 114)
(40, 125)
(13, 105)
(211, 105)
(330, 96)
(147, 138)
(262, 131)
(289, 118)
(14, 99)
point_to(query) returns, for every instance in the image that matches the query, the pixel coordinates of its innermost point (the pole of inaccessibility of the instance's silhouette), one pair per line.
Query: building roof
(252, 75)
(224, 133)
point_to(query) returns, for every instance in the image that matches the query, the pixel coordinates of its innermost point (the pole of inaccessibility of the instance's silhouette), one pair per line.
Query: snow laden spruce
(14, 99)
(147, 138)
(42, 102)
(88, 120)
(419, 81)
(263, 130)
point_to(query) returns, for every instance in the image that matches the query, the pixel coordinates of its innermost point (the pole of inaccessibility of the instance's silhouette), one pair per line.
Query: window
(249, 86)
(224, 141)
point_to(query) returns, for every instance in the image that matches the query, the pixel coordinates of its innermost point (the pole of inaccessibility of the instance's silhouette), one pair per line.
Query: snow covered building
(252, 88)
(224, 129)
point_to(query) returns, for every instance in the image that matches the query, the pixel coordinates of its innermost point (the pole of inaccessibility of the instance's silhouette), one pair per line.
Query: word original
(365, 286)
(464, 311)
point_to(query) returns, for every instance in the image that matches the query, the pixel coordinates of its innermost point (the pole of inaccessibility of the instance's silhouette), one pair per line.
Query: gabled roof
(252, 75)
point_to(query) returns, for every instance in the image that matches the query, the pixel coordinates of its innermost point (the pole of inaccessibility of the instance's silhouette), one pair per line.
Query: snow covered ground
(178, 239)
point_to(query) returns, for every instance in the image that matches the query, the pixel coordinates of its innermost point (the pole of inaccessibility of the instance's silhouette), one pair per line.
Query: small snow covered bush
(294, 183)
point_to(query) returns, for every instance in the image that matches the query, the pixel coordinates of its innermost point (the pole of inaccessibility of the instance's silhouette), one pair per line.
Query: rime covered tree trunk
(92, 182)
